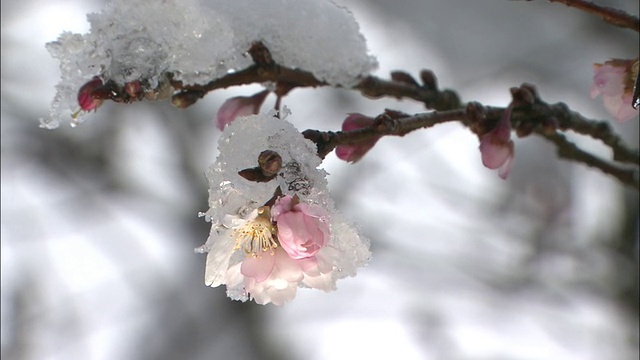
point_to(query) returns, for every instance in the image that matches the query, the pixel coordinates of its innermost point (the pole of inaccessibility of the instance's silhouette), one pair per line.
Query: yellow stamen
(256, 236)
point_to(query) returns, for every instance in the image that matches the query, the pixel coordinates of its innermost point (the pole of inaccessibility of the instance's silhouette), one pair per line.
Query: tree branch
(530, 114)
(612, 16)
(476, 117)
(388, 123)
(568, 150)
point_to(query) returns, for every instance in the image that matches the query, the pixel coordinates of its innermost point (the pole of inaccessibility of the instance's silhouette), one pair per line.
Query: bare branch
(530, 114)
(612, 16)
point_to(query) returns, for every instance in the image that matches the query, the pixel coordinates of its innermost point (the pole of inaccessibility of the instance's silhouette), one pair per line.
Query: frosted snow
(233, 197)
(201, 40)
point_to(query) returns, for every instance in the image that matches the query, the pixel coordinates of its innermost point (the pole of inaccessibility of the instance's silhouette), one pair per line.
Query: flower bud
(353, 153)
(270, 162)
(239, 106)
(302, 229)
(403, 77)
(497, 148)
(429, 79)
(85, 95)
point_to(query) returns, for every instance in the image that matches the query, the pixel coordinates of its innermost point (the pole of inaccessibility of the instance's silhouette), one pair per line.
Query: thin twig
(568, 150)
(612, 16)
(383, 126)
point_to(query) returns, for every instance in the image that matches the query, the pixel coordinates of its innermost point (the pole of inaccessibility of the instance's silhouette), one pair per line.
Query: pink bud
(497, 148)
(353, 153)
(302, 229)
(613, 80)
(85, 95)
(239, 106)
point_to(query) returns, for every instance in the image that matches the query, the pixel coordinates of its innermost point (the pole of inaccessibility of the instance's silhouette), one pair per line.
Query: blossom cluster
(270, 237)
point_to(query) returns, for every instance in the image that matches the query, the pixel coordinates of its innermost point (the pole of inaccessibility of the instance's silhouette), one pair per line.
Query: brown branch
(600, 130)
(612, 16)
(388, 123)
(479, 119)
(530, 114)
(568, 150)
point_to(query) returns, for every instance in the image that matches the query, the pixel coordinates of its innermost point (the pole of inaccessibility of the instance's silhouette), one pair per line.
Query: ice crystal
(233, 201)
(198, 41)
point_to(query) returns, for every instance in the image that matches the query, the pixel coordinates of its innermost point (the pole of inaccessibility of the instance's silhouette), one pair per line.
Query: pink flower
(85, 95)
(496, 146)
(302, 229)
(239, 106)
(269, 273)
(614, 81)
(353, 153)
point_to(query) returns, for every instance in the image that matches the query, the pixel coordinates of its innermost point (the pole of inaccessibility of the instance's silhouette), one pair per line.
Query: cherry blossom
(268, 238)
(268, 273)
(614, 81)
(497, 148)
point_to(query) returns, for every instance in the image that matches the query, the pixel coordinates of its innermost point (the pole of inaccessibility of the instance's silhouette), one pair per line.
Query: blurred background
(99, 222)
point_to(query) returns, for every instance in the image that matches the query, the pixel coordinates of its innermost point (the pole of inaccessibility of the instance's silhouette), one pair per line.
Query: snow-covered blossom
(199, 41)
(497, 148)
(353, 153)
(614, 81)
(269, 238)
(239, 106)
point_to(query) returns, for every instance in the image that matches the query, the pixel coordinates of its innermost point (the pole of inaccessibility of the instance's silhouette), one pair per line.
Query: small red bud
(86, 98)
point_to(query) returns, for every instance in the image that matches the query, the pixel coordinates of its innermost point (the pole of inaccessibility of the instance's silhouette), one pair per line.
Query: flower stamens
(256, 236)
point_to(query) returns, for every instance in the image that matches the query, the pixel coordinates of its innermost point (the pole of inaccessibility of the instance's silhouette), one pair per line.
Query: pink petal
(258, 268)
(356, 121)
(594, 91)
(239, 106)
(624, 111)
(344, 152)
(505, 168)
(293, 231)
(288, 268)
(494, 153)
(353, 153)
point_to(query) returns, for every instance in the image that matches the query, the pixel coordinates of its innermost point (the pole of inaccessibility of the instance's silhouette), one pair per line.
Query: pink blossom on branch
(239, 106)
(497, 148)
(353, 153)
(614, 81)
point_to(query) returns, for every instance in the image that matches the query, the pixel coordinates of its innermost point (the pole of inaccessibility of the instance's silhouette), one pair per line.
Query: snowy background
(99, 222)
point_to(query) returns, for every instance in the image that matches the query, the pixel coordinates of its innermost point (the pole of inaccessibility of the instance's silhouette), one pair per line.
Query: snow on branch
(139, 45)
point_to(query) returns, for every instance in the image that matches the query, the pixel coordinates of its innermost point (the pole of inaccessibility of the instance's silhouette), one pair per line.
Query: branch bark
(612, 16)
(530, 114)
